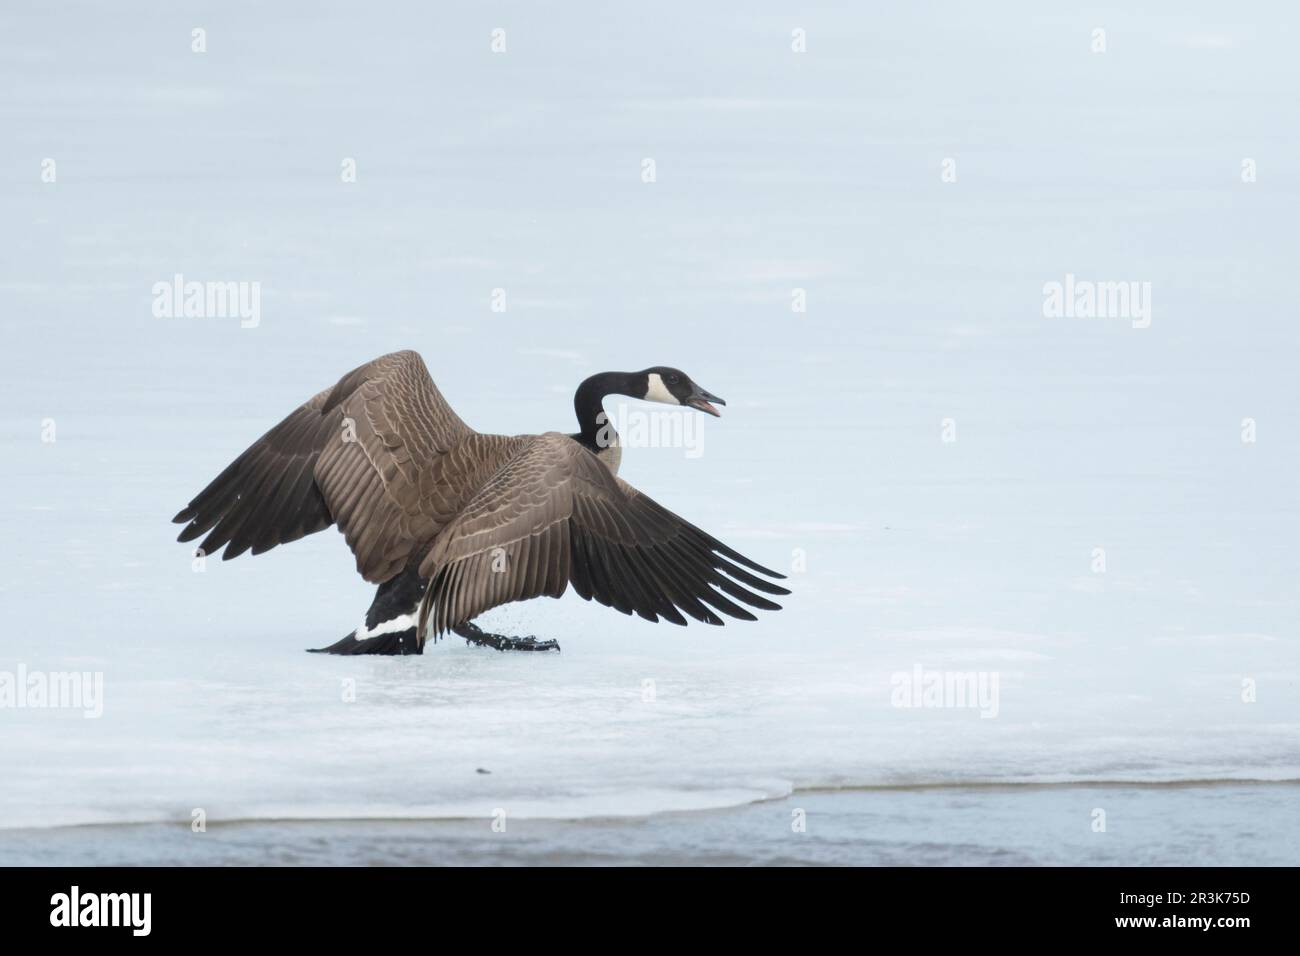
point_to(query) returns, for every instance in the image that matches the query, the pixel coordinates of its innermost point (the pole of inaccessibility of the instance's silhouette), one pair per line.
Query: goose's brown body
(484, 519)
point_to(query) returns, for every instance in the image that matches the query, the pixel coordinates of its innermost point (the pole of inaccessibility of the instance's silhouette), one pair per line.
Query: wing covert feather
(552, 515)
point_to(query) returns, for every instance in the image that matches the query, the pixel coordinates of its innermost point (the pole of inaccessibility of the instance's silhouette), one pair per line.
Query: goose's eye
(673, 379)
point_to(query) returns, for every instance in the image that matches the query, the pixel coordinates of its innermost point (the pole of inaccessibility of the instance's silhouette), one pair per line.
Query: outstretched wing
(360, 454)
(554, 515)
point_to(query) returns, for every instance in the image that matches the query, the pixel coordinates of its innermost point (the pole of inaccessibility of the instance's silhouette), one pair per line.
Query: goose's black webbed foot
(502, 642)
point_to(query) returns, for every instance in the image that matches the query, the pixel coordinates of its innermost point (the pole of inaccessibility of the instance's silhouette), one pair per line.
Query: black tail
(398, 642)
(389, 627)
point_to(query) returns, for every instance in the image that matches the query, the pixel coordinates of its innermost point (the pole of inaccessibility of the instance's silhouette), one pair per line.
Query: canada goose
(450, 522)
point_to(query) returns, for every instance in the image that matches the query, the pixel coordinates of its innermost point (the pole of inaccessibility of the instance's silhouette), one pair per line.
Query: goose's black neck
(590, 412)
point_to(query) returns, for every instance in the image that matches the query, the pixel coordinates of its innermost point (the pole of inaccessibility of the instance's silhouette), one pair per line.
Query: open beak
(702, 400)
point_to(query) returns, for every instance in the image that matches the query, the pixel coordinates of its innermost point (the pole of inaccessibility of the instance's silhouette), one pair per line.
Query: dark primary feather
(358, 454)
(554, 515)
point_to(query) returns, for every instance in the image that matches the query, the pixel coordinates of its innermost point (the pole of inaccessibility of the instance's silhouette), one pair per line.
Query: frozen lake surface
(1019, 825)
(775, 172)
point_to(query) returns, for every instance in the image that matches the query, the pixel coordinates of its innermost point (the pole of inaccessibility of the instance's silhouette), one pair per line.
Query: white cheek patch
(657, 391)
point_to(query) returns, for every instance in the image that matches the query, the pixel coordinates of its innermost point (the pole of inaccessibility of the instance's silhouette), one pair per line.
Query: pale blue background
(775, 170)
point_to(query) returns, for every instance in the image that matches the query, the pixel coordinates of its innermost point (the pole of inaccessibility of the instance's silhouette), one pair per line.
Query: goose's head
(672, 386)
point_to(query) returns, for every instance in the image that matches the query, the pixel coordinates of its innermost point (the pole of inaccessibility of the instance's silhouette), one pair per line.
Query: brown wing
(361, 454)
(554, 515)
